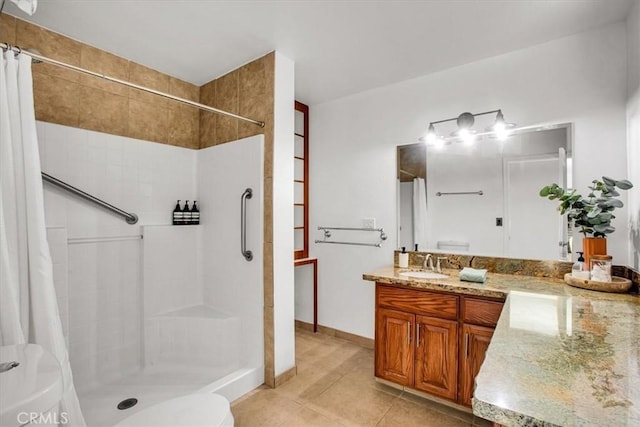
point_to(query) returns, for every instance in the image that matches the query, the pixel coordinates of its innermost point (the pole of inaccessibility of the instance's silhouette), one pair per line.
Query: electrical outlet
(369, 222)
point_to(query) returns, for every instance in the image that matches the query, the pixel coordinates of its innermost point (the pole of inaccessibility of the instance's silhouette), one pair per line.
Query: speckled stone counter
(559, 355)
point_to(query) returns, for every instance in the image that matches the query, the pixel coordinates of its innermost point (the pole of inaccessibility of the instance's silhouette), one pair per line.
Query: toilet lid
(193, 410)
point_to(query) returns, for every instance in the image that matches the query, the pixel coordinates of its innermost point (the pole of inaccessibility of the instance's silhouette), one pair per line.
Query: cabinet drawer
(480, 312)
(418, 302)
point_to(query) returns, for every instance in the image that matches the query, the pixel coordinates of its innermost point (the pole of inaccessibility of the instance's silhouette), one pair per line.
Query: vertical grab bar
(248, 255)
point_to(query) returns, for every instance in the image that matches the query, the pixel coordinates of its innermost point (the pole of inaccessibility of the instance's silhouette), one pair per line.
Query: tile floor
(335, 387)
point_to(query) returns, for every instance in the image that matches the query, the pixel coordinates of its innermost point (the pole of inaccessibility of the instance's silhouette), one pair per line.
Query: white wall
(283, 276)
(633, 130)
(579, 79)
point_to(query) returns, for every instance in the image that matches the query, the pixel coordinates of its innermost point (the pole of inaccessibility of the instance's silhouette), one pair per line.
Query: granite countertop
(559, 355)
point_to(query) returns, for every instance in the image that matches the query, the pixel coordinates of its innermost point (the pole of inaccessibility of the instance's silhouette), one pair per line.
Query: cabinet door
(394, 349)
(437, 356)
(475, 341)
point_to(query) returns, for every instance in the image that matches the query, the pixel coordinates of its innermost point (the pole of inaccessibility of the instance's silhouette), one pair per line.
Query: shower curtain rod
(38, 57)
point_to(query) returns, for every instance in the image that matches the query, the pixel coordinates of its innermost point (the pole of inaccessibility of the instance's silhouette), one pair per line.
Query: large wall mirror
(483, 198)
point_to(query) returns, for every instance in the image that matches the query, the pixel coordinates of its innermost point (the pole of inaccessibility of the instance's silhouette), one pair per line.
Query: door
(436, 369)
(527, 216)
(394, 349)
(475, 341)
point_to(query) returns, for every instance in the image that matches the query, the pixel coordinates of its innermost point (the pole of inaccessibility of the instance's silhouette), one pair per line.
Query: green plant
(594, 213)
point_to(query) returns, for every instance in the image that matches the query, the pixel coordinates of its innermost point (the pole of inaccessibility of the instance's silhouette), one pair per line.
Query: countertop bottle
(579, 269)
(403, 258)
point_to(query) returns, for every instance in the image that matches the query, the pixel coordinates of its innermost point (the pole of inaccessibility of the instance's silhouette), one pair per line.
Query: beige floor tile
(409, 414)
(265, 408)
(353, 402)
(439, 407)
(309, 418)
(308, 384)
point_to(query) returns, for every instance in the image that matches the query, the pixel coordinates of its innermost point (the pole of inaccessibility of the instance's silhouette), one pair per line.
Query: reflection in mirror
(483, 198)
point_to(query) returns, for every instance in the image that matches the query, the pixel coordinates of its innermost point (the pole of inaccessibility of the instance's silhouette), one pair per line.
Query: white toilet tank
(453, 246)
(192, 410)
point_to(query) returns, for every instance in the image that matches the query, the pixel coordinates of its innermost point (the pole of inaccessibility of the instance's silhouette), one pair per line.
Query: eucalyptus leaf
(624, 184)
(609, 181)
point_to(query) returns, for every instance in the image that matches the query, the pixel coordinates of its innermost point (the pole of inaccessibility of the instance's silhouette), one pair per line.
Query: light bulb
(466, 136)
(501, 131)
(438, 143)
(431, 135)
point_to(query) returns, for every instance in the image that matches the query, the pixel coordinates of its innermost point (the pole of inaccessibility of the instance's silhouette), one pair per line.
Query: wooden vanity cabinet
(479, 318)
(434, 342)
(417, 339)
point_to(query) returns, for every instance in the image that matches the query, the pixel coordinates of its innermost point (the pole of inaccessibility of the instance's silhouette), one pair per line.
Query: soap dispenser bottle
(403, 258)
(579, 270)
(177, 214)
(186, 214)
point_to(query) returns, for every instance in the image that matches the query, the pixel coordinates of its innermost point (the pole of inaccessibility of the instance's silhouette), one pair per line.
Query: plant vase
(593, 246)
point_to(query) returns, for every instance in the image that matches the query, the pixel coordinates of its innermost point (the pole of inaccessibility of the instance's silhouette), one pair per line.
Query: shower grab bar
(131, 218)
(455, 193)
(248, 255)
(327, 234)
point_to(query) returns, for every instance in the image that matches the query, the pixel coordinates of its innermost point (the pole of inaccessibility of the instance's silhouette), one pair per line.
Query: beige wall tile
(50, 44)
(103, 111)
(227, 100)
(7, 29)
(255, 99)
(184, 89)
(207, 129)
(208, 121)
(148, 121)
(56, 99)
(104, 63)
(148, 78)
(269, 363)
(183, 126)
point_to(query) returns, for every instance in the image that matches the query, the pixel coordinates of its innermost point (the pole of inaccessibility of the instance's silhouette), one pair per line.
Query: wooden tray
(618, 284)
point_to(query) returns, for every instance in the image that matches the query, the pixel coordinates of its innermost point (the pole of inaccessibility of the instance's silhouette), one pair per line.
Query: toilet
(192, 410)
(453, 246)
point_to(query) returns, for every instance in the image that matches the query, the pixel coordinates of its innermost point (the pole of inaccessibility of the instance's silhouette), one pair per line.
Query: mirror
(483, 198)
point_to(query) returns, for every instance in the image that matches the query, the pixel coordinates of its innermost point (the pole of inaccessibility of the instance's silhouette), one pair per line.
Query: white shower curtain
(28, 306)
(420, 213)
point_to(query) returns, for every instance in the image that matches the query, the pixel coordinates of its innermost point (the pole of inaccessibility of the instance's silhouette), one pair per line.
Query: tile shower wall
(69, 98)
(104, 305)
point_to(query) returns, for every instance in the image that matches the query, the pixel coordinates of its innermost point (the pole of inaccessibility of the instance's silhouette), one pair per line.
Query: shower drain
(127, 403)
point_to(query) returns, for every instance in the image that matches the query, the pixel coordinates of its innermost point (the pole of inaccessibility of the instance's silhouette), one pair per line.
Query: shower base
(150, 386)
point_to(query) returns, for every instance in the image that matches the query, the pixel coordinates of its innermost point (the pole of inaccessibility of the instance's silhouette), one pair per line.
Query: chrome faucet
(438, 266)
(428, 262)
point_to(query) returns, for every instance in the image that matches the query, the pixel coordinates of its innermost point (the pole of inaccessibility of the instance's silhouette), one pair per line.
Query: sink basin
(423, 275)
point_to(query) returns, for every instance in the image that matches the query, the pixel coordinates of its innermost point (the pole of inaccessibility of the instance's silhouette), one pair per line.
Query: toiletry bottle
(403, 258)
(186, 214)
(177, 214)
(195, 214)
(416, 248)
(579, 270)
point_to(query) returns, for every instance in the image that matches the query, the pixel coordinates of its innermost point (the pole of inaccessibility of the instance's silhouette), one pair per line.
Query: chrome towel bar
(327, 235)
(131, 218)
(455, 193)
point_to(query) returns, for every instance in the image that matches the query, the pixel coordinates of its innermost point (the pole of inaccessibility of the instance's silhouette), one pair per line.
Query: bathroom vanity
(549, 355)
(432, 341)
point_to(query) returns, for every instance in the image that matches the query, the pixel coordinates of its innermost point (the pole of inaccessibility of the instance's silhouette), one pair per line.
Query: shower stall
(153, 311)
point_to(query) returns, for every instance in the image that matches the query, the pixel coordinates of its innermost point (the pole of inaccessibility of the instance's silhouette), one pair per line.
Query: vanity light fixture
(465, 132)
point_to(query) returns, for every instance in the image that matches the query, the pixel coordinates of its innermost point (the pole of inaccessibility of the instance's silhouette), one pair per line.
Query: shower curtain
(28, 306)
(420, 213)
